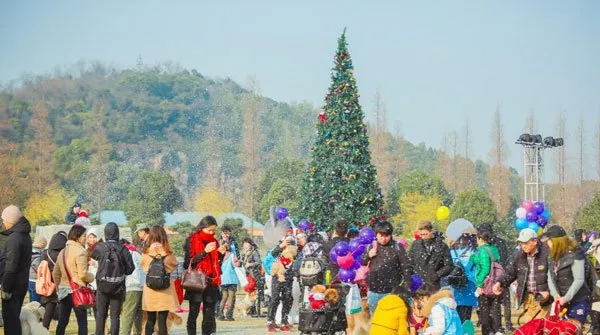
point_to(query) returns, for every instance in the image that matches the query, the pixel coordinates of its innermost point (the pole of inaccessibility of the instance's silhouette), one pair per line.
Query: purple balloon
(341, 248)
(282, 213)
(356, 264)
(359, 251)
(305, 225)
(366, 236)
(531, 216)
(542, 221)
(415, 282)
(538, 208)
(354, 243)
(347, 276)
(333, 256)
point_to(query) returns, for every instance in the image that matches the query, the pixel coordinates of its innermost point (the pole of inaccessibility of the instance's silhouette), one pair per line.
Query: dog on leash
(243, 306)
(31, 318)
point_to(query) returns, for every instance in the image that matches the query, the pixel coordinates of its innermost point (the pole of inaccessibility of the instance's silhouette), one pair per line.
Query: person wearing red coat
(202, 252)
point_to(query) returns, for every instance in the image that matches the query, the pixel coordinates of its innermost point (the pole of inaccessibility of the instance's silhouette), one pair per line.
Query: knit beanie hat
(10, 216)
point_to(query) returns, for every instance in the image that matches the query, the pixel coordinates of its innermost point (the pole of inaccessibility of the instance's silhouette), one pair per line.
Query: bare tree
(252, 109)
(581, 159)
(498, 176)
(400, 163)
(42, 147)
(530, 127)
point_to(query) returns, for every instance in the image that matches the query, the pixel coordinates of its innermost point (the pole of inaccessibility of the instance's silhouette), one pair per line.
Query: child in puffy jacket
(391, 314)
(442, 317)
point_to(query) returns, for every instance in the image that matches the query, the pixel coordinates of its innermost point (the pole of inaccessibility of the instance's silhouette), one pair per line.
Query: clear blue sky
(435, 62)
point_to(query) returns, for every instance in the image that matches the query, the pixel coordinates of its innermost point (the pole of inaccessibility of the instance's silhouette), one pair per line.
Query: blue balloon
(521, 223)
(333, 256)
(359, 250)
(538, 208)
(534, 226)
(366, 235)
(546, 214)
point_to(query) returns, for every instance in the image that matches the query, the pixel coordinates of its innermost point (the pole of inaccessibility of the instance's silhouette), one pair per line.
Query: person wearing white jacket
(131, 316)
(443, 318)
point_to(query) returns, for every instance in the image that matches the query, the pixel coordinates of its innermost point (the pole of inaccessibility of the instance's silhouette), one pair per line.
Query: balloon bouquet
(347, 255)
(532, 215)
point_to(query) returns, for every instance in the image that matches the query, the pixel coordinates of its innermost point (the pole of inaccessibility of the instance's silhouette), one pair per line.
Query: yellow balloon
(442, 213)
(540, 232)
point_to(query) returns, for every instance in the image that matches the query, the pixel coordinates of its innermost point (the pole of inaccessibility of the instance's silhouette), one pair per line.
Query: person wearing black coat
(339, 234)
(57, 243)
(72, 214)
(389, 266)
(17, 251)
(111, 290)
(430, 256)
(505, 256)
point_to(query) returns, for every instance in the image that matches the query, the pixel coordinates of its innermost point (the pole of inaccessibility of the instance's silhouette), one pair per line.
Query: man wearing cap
(529, 266)
(17, 253)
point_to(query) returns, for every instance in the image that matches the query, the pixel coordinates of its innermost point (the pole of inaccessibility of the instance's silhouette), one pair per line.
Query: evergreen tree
(340, 182)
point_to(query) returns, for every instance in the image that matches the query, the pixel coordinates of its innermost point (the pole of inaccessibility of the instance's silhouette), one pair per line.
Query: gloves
(6, 295)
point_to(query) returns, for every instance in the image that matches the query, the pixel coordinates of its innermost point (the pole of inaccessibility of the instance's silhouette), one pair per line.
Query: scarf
(209, 264)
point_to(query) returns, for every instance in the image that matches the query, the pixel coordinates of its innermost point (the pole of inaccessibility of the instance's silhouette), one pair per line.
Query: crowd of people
(431, 286)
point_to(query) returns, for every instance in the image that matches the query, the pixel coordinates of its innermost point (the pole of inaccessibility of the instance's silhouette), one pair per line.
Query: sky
(436, 63)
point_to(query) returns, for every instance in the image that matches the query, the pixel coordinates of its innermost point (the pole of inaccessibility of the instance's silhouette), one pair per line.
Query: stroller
(555, 324)
(327, 320)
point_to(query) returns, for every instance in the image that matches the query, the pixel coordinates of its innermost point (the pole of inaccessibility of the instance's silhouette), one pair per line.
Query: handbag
(458, 277)
(193, 280)
(496, 272)
(83, 296)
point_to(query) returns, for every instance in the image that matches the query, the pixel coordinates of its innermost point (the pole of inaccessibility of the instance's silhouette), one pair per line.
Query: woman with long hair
(158, 303)
(76, 257)
(203, 253)
(253, 264)
(566, 275)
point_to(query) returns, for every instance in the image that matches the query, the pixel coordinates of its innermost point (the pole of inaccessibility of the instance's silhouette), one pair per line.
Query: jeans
(33, 296)
(373, 299)
(227, 301)
(579, 310)
(64, 312)
(103, 301)
(489, 312)
(132, 313)
(209, 301)
(162, 322)
(281, 292)
(11, 310)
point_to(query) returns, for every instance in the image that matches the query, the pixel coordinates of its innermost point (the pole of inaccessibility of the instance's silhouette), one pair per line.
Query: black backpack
(457, 277)
(110, 277)
(157, 277)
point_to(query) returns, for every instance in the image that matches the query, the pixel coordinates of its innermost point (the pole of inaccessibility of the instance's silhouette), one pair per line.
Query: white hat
(526, 235)
(93, 231)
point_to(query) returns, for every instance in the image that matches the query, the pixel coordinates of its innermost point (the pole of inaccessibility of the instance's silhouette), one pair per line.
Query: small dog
(243, 306)
(31, 318)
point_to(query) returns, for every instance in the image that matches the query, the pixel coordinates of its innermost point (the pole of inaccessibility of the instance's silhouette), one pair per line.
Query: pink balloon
(527, 204)
(345, 262)
(521, 212)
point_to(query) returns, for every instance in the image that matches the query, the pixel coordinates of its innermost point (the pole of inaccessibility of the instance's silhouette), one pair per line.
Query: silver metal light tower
(533, 164)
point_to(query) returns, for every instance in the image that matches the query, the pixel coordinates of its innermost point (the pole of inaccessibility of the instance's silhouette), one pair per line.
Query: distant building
(120, 219)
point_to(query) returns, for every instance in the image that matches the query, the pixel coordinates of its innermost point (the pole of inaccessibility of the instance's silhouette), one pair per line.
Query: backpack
(44, 285)
(157, 277)
(458, 277)
(592, 278)
(312, 271)
(110, 277)
(496, 272)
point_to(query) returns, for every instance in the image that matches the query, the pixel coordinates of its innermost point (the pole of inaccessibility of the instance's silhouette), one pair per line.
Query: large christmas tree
(340, 180)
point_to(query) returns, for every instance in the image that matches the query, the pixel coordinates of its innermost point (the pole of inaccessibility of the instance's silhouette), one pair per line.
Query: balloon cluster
(347, 254)
(532, 215)
(305, 225)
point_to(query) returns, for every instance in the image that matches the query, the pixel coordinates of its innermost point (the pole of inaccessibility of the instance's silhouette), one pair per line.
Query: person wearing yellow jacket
(391, 314)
